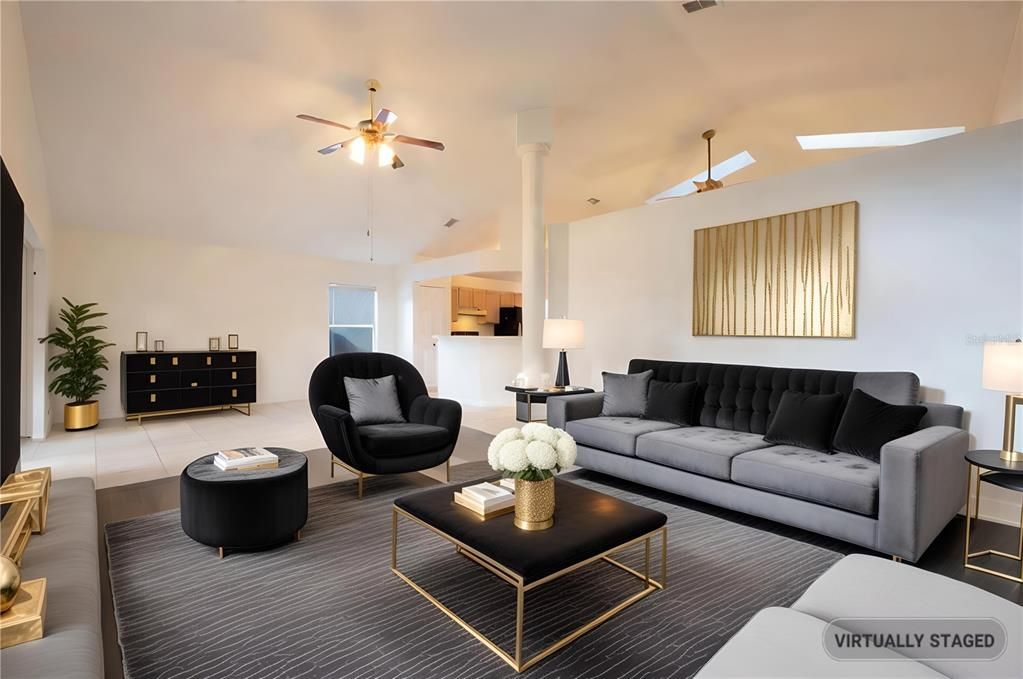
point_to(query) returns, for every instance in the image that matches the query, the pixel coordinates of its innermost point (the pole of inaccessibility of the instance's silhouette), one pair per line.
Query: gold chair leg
(360, 485)
(447, 470)
(220, 552)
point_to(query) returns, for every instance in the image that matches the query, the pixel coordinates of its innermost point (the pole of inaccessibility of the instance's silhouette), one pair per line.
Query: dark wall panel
(12, 244)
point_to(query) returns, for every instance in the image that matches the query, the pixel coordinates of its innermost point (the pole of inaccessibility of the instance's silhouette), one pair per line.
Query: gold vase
(534, 504)
(81, 415)
(10, 582)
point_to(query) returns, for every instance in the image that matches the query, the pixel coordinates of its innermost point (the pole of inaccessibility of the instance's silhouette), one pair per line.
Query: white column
(533, 275)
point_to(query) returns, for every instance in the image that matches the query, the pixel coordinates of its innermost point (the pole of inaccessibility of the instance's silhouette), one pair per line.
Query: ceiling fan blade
(322, 121)
(327, 150)
(436, 145)
(396, 163)
(385, 117)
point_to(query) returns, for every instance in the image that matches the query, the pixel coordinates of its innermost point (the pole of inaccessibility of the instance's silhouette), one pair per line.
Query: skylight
(722, 169)
(862, 140)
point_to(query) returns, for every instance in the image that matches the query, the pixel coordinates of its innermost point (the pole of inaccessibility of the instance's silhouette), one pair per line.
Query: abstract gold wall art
(791, 275)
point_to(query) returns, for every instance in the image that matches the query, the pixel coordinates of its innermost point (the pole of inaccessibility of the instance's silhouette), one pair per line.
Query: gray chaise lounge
(896, 507)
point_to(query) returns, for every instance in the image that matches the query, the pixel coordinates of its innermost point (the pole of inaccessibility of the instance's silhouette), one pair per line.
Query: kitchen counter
(474, 370)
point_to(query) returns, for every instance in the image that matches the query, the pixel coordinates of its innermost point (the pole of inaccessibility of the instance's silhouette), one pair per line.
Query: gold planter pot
(81, 415)
(534, 504)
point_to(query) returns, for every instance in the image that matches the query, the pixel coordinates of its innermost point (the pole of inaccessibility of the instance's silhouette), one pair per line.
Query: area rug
(328, 606)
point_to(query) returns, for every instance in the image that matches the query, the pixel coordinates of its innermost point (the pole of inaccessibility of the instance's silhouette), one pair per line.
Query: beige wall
(184, 294)
(19, 135)
(1009, 105)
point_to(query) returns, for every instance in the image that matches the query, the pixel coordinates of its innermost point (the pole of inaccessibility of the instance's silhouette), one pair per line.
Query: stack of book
(488, 499)
(245, 459)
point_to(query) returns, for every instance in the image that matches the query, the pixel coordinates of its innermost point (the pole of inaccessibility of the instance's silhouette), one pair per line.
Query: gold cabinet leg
(520, 604)
(966, 546)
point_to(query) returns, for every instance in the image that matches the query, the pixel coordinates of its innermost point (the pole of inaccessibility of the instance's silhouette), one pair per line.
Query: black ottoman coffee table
(245, 509)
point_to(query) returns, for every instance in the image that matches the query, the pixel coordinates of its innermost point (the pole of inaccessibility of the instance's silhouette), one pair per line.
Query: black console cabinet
(171, 382)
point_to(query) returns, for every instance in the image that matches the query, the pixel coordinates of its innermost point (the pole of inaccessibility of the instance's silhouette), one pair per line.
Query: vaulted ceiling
(178, 119)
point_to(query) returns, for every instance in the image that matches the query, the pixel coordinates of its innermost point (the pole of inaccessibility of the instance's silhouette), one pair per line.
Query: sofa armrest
(339, 433)
(439, 412)
(563, 409)
(922, 486)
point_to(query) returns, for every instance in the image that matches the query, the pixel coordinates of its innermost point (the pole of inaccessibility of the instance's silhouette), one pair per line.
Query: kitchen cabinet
(479, 299)
(518, 299)
(454, 305)
(465, 298)
(507, 299)
(493, 306)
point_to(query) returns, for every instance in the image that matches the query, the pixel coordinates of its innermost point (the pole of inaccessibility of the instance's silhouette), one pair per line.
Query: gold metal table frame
(515, 659)
(967, 554)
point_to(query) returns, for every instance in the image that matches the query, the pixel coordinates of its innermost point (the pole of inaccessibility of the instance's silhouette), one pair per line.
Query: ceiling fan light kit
(372, 135)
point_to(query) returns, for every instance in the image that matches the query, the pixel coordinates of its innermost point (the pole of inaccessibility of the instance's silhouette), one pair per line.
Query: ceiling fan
(372, 135)
(710, 184)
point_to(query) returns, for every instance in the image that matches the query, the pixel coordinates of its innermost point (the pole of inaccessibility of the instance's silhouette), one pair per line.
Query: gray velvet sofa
(787, 643)
(897, 506)
(67, 555)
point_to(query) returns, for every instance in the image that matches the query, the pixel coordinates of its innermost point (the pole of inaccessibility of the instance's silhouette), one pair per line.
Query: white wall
(184, 294)
(940, 255)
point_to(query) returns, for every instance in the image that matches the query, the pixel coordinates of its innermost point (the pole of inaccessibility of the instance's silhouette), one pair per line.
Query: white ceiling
(178, 119)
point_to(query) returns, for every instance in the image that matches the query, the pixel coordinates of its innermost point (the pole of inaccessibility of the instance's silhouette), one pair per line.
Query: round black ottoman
(245, 509)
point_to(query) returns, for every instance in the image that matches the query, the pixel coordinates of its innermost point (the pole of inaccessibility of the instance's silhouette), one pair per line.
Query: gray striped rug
(328, 606)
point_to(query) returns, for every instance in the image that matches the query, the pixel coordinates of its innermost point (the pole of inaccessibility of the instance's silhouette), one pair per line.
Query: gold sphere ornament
(10, 582)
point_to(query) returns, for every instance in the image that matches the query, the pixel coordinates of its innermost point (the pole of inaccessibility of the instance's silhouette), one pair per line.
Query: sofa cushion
(613, 434)
(861, 586)
(841, 480)
(780, 643)
(671, 402)
(400, 439)
(805, 420)
(701, 450)
(625, 395)
(868, 423)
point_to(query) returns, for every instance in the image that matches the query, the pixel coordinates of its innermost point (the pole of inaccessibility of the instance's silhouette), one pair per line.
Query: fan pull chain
(369, 214)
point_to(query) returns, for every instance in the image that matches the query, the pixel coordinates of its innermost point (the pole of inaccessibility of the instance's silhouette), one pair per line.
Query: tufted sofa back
(745, 397)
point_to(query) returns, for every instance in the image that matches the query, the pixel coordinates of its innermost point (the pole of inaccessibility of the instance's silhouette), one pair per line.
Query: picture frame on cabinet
(157, 345)
(214, 344)
(141, 341)
(232, 341)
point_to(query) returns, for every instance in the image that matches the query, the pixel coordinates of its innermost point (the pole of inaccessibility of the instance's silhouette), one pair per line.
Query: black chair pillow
(869, 423)
(672, 402)
(805, 420)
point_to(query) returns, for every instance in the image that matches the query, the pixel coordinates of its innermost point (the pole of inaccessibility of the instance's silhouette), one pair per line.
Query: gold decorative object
(10, 581)
(81, 415)
(534, 504)
(27, 494)
(25, 618)
(1003, 371)
(791, 275)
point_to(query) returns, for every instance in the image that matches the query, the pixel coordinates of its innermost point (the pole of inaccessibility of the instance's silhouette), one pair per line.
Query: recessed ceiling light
(451, 222)
(593, 201)
(862, 140)
(719, 171)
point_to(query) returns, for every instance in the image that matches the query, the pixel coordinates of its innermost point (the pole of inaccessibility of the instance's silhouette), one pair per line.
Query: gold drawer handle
(174, 361)
(209, 360)
(195, 384)
(152, 398)
(234, 375)
(234, 393)
(152, 379)
(152, 360)
(234, 359)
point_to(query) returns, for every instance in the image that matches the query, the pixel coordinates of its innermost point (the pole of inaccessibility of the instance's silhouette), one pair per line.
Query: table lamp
(562, 334)
(1003, 371)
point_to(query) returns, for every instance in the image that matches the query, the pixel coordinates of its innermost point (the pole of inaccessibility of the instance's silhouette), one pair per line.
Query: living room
(716, 316)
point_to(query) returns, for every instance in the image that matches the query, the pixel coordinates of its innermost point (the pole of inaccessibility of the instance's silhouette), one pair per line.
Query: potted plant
(80, 358)
(531, 456)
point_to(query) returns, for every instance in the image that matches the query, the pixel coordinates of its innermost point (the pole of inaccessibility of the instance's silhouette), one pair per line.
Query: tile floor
(117, 452)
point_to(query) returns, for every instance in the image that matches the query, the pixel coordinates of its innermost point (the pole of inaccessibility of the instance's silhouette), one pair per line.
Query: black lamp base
(562, 379)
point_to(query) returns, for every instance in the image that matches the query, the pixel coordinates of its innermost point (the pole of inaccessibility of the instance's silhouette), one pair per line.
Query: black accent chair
(426, 440)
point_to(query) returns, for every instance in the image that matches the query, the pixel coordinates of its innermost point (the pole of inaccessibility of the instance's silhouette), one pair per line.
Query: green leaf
(82, 352)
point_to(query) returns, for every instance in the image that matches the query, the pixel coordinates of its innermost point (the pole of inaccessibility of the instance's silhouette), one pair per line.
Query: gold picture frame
(789, 275)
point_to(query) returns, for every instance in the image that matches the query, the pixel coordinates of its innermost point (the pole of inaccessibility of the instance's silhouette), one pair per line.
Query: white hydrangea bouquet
(534, 453)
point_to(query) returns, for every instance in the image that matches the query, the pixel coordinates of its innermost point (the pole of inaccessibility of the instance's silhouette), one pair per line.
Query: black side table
(525, 397)
(991, 468)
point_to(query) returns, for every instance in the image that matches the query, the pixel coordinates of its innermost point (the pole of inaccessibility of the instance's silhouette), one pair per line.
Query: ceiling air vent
(593, 201)
(451, 222)
(697, 5)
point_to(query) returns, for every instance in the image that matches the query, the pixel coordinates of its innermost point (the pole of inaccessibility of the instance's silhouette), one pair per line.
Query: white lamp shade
(1003, 367)
(563, 333)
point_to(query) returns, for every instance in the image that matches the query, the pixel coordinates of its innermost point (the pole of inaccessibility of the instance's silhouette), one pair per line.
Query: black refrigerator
(510, 324)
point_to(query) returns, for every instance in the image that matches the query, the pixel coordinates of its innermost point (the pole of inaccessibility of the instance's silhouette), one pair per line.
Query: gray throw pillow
(625, 395)
(374, 401)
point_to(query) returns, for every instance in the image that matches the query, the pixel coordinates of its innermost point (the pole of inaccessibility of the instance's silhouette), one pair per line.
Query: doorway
(431, 311)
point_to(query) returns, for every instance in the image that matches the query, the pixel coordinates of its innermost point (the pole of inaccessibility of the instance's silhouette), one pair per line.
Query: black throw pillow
(671, 402)
(805, 420)
(869, 423)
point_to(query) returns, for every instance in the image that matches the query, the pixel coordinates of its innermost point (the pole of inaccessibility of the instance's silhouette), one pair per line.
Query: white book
(243, 457)
(508, 484)
(488, 495)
